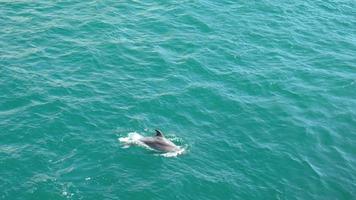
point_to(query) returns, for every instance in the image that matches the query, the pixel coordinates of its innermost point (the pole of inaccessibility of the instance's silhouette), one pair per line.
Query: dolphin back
(160, 144)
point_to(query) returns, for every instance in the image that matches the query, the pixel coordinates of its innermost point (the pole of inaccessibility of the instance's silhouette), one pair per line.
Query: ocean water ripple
(261, 94)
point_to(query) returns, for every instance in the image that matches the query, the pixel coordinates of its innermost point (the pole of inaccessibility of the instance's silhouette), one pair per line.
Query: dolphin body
(159, 142)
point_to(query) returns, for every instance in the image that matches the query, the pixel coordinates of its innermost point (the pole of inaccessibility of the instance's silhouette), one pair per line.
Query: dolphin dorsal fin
(159, 133)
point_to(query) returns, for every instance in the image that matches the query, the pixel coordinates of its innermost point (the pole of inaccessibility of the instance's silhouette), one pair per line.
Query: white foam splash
(174, 153)
(133, 138)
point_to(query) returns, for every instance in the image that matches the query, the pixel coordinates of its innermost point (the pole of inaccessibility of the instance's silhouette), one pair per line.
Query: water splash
(174, 153)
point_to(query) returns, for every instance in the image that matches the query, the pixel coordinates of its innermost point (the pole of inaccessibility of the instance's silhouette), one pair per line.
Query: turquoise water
(261, 94)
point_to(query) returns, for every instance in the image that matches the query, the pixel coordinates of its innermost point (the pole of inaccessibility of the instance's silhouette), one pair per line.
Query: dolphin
(159, 142)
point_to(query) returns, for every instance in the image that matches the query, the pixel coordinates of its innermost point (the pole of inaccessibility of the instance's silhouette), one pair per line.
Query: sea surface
(261, 95)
